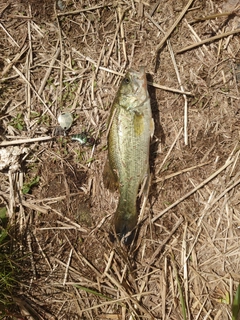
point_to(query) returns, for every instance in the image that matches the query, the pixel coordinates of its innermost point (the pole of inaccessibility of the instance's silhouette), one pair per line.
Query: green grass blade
(3, 218)
(3, 235)
(236, 304)
(92, 291)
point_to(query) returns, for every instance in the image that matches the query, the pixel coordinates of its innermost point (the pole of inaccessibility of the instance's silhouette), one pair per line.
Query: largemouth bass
(130, 129)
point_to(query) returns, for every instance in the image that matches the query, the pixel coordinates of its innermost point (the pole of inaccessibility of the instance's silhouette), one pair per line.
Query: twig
(31, 86)
(115, 35)
(78, 227)
(49, 70)
(67, 266)
(34, 207)
(15, 59)
(181, 171)
(22, 141)
(234, 165)
(55, 199)
(3, 9)
(122, 33)
(128, 296)
(217, 199)
(159, 86)
(140, 8)
(160, 247)
(28, 66)
(216, 15)
(197, 38)
(77, 94)
(11, 194)
(82, 10)
(96, 71)
(109, 262)
(95, 63)
(170, 150)
(153, 84)
(105, 303)
(185, 268)
(169, 32)
(8, 34)
(185, 126)
(41, 250)
(217, 37)
(228, 162)
(29, 242)
(62, 58)
(154, 8)
(15, 16)
(182, 300)
(26, 307)
(154, 22)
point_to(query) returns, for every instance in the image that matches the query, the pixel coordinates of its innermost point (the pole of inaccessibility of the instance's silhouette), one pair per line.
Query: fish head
(133, 89)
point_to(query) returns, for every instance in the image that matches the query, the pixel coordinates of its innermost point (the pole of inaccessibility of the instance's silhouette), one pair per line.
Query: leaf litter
(69, 57)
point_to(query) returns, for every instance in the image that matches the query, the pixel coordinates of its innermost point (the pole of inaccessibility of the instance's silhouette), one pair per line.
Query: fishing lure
(65, 120)
(83, 138)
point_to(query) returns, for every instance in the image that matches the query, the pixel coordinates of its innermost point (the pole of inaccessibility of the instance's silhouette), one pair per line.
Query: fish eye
(126, 80)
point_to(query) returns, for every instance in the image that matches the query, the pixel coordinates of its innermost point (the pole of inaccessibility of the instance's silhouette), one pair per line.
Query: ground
(69, 56)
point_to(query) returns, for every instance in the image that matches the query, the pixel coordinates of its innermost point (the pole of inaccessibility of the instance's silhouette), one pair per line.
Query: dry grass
(70, 56)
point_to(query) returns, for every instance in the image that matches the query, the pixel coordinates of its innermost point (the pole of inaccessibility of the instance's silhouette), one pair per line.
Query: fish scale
(131, 127)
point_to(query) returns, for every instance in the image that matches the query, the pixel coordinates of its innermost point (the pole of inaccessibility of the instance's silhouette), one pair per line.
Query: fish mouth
(139, 80)
(139, 73)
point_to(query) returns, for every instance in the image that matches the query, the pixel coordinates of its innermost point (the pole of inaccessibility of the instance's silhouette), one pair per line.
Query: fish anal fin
(152, 127)
(110, 178)
(145, 184)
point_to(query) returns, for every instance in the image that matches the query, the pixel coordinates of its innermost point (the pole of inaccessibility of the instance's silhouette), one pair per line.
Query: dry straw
(184, 262)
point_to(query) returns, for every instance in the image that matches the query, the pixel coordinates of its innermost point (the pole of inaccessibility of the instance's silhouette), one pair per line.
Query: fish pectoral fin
(110, 178)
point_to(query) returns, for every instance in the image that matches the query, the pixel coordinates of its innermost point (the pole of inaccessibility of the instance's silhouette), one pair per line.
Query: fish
(130, 129)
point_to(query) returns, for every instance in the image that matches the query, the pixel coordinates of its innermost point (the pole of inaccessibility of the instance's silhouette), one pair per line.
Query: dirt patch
(42, 11)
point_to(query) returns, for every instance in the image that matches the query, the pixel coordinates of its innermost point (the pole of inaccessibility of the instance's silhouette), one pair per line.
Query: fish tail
(125, 220)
